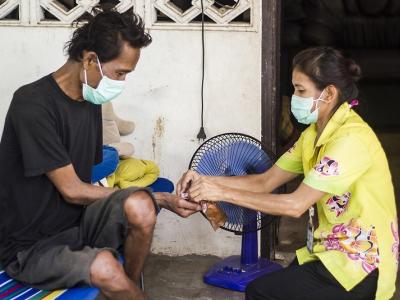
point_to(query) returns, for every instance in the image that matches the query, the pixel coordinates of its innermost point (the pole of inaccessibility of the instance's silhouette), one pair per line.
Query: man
(58, 230)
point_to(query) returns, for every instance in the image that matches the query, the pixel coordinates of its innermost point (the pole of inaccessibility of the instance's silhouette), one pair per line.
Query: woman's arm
(260, 183)
(293, 204)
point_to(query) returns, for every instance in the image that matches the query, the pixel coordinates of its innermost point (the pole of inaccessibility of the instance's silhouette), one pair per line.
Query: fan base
(230, 274)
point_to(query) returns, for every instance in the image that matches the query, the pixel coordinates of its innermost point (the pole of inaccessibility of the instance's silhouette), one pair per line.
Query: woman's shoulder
(355, 131)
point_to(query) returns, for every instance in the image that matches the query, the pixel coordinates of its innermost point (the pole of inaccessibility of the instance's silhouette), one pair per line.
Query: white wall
(163, 98)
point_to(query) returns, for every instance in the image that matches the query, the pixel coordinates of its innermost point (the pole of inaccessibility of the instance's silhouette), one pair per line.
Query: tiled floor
(180, 278)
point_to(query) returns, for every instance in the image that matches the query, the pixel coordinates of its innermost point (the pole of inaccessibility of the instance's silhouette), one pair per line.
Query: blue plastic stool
(107, 166)
(162, 185)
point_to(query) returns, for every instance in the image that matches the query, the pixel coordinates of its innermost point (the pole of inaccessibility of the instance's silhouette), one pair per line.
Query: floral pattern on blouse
(338, 204)
(327, 167)
(358, 243)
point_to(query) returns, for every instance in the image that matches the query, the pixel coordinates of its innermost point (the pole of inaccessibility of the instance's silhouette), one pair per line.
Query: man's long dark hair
(105, 34)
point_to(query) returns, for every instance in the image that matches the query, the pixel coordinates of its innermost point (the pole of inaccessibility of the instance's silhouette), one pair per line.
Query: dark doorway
(367, 31)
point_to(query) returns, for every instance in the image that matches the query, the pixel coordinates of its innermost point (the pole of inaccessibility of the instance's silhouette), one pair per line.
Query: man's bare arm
(73, 189)
(77, 192)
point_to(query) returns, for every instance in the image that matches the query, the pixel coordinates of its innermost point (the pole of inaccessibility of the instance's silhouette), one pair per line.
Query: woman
(352, 237)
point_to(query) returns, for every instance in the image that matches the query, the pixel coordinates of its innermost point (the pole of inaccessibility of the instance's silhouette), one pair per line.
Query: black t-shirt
(44, 130)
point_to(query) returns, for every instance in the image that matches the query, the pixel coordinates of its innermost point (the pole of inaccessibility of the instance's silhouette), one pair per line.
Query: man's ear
(88, 59)
(331, 93)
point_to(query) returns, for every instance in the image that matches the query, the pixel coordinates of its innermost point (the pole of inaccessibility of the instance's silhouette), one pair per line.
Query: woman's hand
(184, 183)
(205, 189)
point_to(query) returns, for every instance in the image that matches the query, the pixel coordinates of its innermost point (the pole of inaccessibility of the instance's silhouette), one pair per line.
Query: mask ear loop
(319, 99)
(85, 75)
(101, 71)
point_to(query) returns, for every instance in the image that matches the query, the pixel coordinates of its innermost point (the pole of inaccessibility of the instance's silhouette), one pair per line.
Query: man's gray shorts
(64, 260)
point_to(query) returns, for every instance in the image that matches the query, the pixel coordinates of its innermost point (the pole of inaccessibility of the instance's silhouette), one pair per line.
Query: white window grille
(158, 14)
(180, 13)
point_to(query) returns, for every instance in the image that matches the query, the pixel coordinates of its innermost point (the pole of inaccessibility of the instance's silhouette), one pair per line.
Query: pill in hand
(204, 206)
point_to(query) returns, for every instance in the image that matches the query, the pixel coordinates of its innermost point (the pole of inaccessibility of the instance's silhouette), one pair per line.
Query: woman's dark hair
(105, 34)
(326, 66)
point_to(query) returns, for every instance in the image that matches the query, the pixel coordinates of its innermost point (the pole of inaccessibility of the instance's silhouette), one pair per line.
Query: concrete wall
(163, 98)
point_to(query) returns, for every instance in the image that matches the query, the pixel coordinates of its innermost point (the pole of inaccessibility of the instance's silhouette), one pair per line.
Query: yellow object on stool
(134, 172)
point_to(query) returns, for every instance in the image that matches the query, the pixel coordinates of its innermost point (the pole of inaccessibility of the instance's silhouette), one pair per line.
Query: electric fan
(235, 154)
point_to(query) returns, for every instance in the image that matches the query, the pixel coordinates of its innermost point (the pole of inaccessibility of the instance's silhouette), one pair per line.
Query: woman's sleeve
(292, 160)
(344, 161)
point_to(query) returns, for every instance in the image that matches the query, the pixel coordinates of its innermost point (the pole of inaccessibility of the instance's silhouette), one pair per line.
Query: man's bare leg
(141, 215)
(108, 275)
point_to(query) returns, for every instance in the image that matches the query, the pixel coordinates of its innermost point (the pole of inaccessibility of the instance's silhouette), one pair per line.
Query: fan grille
(234, 154)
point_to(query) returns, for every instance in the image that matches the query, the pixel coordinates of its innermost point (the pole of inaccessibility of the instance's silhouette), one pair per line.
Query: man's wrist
(160, 198)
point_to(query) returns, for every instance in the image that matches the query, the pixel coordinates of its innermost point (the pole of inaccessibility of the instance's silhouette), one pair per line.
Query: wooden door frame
(270, 93)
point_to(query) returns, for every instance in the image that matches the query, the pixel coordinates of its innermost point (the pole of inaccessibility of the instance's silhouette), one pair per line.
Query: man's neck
(68, 79)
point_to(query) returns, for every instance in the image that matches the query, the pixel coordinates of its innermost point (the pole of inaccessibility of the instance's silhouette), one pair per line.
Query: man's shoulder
(32, 92)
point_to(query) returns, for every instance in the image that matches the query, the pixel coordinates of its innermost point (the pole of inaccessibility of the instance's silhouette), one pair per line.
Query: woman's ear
(331, 94)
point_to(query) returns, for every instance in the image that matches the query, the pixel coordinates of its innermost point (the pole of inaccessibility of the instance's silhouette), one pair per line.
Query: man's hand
(184, 183)
(205, 188)
(177, 205)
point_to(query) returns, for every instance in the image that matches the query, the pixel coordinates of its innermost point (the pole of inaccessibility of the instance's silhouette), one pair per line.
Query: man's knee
(107, 273)
(140, 210)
